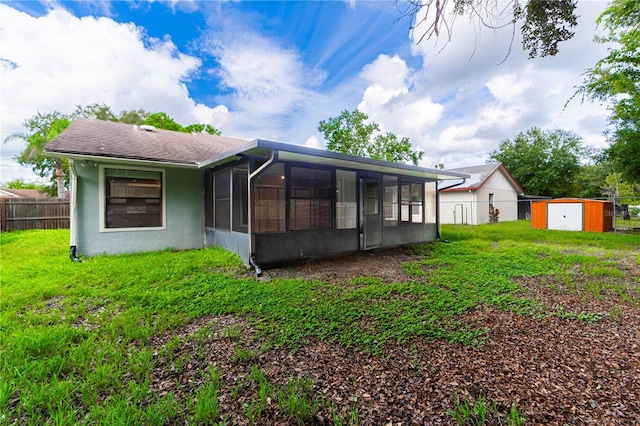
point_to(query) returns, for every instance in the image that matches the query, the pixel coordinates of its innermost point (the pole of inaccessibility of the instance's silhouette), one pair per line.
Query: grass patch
(75, 338)
(481, 412)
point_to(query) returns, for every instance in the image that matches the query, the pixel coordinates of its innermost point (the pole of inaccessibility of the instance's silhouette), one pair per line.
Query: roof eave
(112, 159)
(460, 189)
(337, 159)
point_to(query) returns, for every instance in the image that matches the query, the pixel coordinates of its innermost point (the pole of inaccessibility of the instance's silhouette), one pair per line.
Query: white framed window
(411, 202)
(131, 198)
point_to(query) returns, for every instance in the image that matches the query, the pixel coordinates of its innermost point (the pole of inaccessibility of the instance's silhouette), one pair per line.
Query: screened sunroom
(276, 203)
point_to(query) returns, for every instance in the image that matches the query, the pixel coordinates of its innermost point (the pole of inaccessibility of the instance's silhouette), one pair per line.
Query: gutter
(255, 173)
(73, 214)
(454, 185)
(438, 236)
(120, 160)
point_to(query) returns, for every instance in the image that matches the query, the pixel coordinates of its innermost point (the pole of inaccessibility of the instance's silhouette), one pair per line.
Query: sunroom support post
(250, 207)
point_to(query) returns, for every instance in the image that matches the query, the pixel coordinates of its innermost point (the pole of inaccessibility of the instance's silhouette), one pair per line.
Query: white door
(458, 217)
(564, 216)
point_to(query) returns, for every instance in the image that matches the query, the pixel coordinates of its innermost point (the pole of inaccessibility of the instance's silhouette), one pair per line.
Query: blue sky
(275, 69)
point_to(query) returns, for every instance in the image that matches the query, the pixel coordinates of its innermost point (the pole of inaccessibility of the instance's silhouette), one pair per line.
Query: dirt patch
(384, 263)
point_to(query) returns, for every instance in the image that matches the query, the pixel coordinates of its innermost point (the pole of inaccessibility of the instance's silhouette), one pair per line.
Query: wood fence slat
(34, 213)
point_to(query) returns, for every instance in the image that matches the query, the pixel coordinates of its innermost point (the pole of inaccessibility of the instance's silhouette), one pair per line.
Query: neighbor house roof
(480, 175)
(22, 193)
(95, 139)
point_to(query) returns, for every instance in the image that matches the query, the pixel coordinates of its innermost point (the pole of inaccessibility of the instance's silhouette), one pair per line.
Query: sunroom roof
(291, 152)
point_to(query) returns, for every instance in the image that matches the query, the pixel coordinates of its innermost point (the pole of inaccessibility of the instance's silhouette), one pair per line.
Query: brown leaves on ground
(556, 370)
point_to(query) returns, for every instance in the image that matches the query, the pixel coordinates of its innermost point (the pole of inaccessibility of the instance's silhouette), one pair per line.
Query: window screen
(133, 199)
(270, 200)
(430, 202)
(346, 207)
(390, 202)
(311, 199)
(222, 199)
(240, 199)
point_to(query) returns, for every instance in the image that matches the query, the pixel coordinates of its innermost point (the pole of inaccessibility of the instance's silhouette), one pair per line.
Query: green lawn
(76, 337)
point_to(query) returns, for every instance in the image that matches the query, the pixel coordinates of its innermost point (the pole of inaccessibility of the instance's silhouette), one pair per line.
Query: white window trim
(102, 199)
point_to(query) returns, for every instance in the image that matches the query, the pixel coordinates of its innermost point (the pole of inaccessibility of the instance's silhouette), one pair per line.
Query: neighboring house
(27, 193)
(524, 204)
(136, 188)
(21, 193)
(490, 185)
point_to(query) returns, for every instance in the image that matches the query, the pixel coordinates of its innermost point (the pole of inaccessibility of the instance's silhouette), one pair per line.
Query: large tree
(351, 133)
(616, 78)
(41, 128)
(543, 23)
(543, 162)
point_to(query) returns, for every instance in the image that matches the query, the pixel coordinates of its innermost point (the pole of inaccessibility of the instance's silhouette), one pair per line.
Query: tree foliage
(590, 180)
(616, 78)
(351, 133)
(41, 128)
(543, 162)
(161, 120)
(616, 188)
(545, 24)
(44, 127)
(20, 183)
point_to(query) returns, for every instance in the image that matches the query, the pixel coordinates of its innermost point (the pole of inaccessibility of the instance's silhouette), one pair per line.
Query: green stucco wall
(184, 215)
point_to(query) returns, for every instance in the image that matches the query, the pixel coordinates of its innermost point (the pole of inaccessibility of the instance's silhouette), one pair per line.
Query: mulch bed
(557, 371)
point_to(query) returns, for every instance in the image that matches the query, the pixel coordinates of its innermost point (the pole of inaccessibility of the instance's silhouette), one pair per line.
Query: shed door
(564, 216)
(371, 216)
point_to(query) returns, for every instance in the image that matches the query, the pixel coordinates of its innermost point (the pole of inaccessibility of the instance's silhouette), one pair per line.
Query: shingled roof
(97, 138)
(480, 175)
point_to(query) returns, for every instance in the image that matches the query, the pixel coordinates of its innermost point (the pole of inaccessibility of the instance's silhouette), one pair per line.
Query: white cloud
(268, 88)
(314, 142)
(264, 77)
(485, 103)
(457, 105)
(58, 61)
(389, 102)
(508, 88)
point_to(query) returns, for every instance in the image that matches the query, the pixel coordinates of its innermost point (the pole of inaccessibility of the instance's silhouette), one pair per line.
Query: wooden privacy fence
(34, 213)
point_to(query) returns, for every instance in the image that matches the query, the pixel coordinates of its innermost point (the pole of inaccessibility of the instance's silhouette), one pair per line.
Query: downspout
(258, 171)
(73, 214)
(438, 203)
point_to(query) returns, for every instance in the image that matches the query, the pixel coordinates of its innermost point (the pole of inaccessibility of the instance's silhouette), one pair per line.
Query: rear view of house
(137, 188)
(490, 187)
